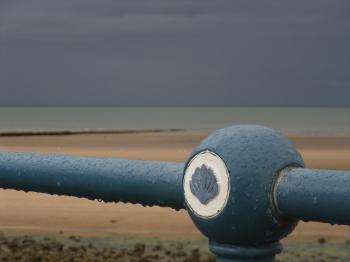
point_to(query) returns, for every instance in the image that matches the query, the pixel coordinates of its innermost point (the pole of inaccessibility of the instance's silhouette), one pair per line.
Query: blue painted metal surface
(111, 180)
(254, 155)
(238, 253)
(314, 195)
(250, 178)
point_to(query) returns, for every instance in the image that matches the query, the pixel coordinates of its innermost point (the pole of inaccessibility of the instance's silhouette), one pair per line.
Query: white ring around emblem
(215, 205)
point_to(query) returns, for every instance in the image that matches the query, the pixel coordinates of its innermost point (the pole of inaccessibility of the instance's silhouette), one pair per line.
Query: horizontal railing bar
(110, 180)
(244, 187)
(314, 195)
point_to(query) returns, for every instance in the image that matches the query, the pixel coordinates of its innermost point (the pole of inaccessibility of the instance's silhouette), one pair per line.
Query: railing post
(244, 187)
(240, 220)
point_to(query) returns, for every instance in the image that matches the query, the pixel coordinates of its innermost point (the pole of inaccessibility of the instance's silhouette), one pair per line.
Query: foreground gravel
(56, 248)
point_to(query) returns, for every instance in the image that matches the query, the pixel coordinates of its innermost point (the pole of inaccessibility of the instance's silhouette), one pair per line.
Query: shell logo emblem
(206, 184)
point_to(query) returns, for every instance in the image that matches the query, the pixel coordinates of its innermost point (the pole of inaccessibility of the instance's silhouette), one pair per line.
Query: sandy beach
(39, 213)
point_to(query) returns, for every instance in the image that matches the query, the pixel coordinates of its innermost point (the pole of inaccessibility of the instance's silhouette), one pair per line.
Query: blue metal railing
(111, 180)
(245, 188)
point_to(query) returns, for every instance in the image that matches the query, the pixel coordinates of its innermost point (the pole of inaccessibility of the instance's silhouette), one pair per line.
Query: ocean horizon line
(57, 132)
(61, 132)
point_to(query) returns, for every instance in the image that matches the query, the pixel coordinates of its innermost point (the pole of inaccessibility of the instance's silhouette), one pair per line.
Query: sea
(289, 120)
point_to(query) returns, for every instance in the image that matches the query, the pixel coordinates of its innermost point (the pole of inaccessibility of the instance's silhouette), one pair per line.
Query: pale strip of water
(286, 119)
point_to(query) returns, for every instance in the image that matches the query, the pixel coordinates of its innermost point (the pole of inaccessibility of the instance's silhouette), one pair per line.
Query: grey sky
(175, 52)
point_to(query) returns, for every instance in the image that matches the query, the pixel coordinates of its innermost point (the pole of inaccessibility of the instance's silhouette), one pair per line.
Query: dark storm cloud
(174, 52)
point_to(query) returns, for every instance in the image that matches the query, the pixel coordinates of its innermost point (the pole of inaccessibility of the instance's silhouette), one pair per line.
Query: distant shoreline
(83, 132)
(29, 133)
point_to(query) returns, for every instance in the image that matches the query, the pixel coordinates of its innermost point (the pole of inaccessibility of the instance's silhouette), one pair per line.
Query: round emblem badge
(206, 184)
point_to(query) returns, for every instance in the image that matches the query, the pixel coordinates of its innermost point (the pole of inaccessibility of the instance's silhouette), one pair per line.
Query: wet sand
(39, 213)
